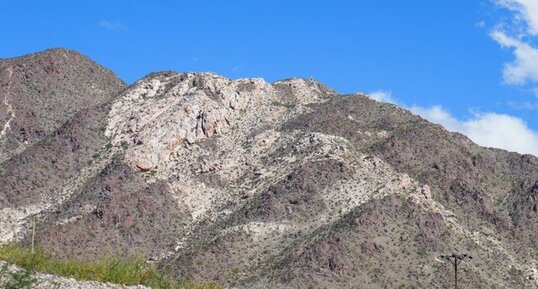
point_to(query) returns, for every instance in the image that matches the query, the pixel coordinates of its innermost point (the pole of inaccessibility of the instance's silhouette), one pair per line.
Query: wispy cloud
(111, 25)
(528, 105)
(524, 68)
(236, 69)
(382, 96)
(525, 14)
(517, 34)
(486, 129)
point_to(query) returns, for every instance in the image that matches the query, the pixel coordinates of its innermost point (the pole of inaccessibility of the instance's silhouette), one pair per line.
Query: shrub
(15, 280)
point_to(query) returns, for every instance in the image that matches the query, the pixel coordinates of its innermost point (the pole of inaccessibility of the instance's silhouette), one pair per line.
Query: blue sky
(468, 65)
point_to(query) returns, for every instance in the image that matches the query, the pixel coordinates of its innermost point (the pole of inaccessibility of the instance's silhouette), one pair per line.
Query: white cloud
(521, 30)
(438, 115)
(382, 96)
(494, 129)
(526, 12)
(524, 68)
(528, 105)
(112, 26)
(487, 129)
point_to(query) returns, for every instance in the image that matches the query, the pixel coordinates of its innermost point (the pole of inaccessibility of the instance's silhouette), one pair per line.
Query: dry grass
(132, 271)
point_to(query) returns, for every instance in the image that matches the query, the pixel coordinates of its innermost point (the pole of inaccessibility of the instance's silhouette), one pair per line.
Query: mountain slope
(41, 91)
(274, 185)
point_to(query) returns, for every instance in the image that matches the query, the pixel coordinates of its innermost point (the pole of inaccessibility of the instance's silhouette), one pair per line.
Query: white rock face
(154, 118)
(187, 128)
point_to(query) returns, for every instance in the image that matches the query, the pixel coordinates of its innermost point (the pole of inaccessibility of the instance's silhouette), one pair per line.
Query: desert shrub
(15, 279)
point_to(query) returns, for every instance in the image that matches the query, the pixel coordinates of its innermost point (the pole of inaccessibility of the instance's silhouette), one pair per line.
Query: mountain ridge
(42, 92)
(273, 185)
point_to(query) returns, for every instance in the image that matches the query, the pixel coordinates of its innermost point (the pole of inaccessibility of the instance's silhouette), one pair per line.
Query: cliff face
(268, 185)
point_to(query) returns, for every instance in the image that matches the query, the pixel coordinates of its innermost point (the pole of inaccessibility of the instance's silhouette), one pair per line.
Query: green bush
(15, 280)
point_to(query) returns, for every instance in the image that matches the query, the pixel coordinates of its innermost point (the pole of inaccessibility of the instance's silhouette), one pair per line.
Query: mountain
(41, 91)
(265, 185)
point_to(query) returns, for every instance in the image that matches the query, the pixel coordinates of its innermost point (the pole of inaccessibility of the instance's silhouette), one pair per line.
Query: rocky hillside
(265, 185)
(41, 91)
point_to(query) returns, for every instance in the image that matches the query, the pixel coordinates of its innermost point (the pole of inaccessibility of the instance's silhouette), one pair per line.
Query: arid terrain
(251, 184)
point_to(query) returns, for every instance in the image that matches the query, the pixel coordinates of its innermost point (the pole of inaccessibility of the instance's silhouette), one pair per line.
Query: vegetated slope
(14, 277)
(41, 91)
(282, 185)
(48, 173)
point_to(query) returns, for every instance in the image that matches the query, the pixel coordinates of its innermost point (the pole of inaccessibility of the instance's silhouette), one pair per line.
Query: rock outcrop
(155, 116)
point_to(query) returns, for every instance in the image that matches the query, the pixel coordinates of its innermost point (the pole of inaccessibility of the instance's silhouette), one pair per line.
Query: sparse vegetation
(288, 105)
(15, 280)
(130, 271)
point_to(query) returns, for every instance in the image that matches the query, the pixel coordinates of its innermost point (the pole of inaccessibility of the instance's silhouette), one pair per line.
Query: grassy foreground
(133, 271)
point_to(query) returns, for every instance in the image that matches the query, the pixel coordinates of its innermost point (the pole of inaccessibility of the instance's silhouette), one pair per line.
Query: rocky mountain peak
(157, 114)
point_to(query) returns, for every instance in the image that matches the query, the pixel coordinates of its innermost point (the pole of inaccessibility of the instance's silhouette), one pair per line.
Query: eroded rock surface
(154, 117)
